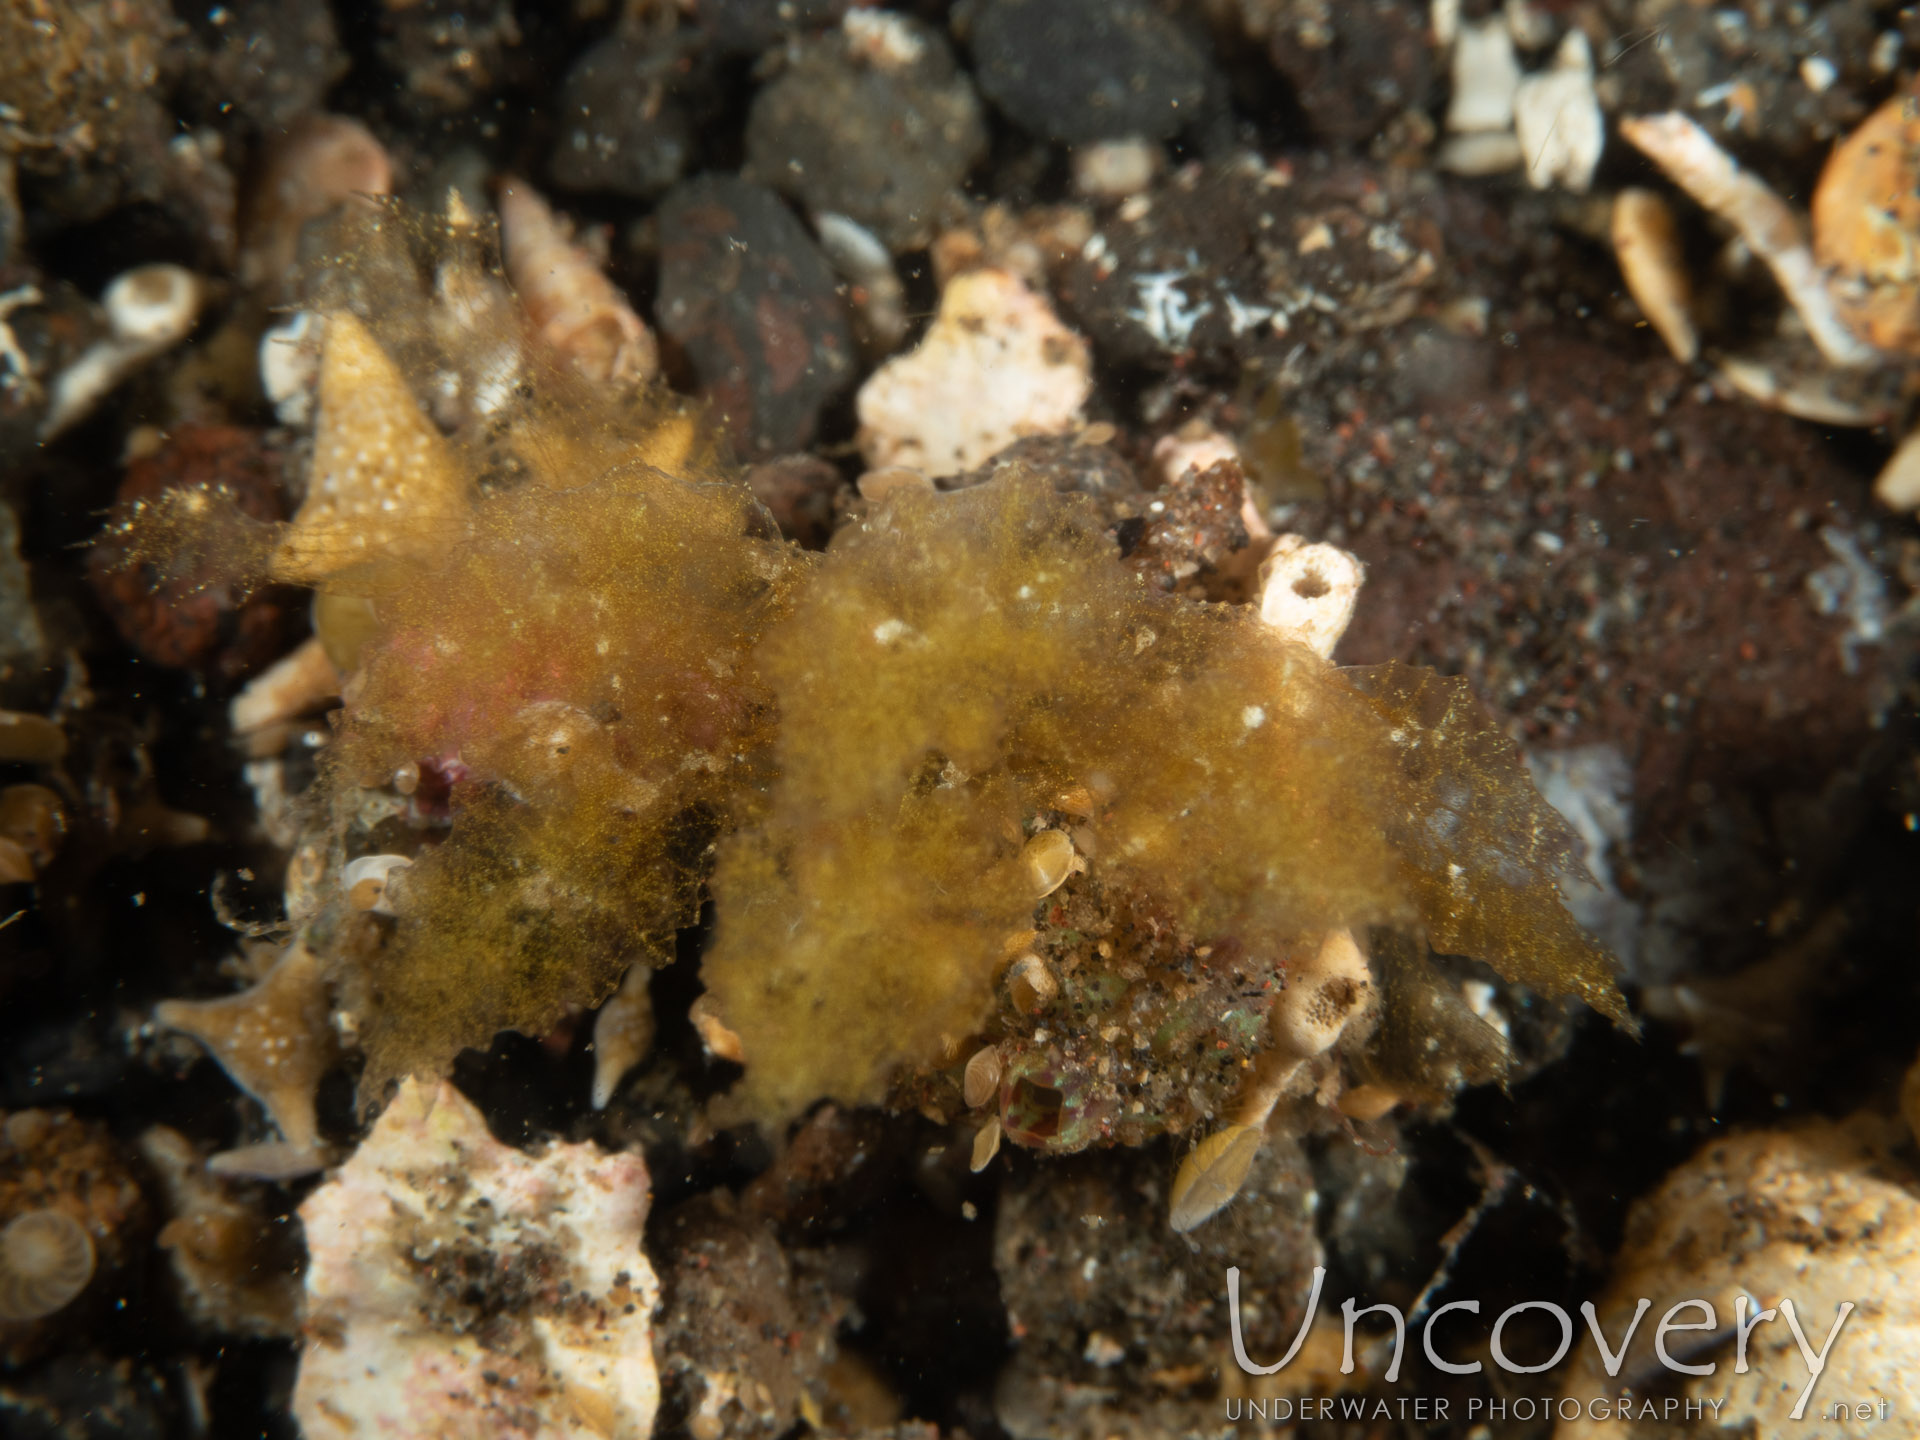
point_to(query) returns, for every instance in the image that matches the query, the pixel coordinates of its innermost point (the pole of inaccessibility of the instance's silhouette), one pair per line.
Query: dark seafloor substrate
(1768, 758)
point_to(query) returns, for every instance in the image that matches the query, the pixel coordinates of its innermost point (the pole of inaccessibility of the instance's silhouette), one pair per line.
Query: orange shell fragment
(1866, 225)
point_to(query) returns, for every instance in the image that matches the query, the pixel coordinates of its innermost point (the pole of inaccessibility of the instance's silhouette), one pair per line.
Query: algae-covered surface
(1402, 737)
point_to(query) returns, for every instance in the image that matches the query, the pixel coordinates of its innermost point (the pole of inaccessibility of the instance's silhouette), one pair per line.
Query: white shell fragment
(298, 683)
(1648, 249)
(1766, 222)
(867, 265)
(1556, 116)
(1898, 485)
(1115, 169)
(458, 1287)
(996, 365)
(290, 366)
(622, 1033)
(1486, 75)
(366, 880)
(1308, 592)
(150, 309)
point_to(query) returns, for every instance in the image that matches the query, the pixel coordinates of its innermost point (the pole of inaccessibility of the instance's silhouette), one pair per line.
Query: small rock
(23, 642)
(1818, 1216)
(1115, 169)
(997, 364)
(1354, 67)
(1082, 1248)
(82, 1397)
(80, 78)
(747, 27)
(447, 52)
(271, 61)
(745, 1337)
(622, 129)
(197, 621)
(1223, 262)
(873, 121)
(474, 1289)
(1083, 70)
(798, 490)
(755, 307)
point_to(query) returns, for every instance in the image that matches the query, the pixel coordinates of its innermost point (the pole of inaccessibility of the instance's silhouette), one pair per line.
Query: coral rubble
(457, 1287)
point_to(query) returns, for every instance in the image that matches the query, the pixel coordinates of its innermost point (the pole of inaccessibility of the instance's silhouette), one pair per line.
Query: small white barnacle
(46, 1260)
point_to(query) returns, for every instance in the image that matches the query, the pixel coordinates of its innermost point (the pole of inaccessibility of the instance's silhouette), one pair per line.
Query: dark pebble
(1083, 70)
(267, 61)
(752, 305)
(798, 491)
(1354, 67)
(747, 27)
(884, 142)
(72, 1398)
(621, 128)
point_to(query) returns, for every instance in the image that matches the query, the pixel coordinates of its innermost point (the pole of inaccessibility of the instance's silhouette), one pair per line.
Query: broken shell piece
(622, 1033)
(290, 366)
(720, 1042)
(1212, 1175)
(299, 683)
(867, 266)
(149, 309)
(432, 1228)
(26, 738)
(1486, 75)
(1807, 390)
(1482, 152)
(1031, 985)
(1115, 169)
(1648, 248)
(1766, 222)
(1308, 592)
(1898, 485)
(1195, 446)
(1866, 225)
(982, 1080)
(46, 1260)
(367, 881)
(986, 1145)
(1049, 859)
(996, 365)
(576, 309)
(1557, 119)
